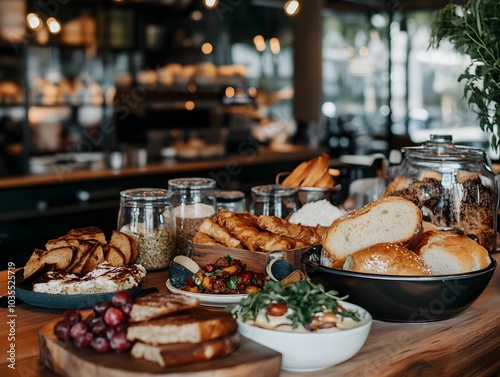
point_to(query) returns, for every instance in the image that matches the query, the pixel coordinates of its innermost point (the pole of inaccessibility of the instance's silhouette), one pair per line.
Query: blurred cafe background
(97, 96)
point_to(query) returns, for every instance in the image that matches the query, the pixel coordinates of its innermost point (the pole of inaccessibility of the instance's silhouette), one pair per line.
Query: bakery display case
(92, 78)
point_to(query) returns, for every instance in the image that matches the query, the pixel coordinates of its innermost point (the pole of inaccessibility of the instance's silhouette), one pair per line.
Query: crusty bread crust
(191, 326)
(386, 220)
(159, 304)
(450, 253)
(186, 353)
(387, 259)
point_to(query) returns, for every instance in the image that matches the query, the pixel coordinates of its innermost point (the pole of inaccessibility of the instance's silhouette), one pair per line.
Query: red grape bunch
(103, 330)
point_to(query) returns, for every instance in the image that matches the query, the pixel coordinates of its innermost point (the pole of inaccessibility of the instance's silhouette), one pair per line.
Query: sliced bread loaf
(389, 219)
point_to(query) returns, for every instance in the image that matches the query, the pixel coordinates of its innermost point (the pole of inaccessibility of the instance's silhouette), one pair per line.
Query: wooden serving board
(250, 360)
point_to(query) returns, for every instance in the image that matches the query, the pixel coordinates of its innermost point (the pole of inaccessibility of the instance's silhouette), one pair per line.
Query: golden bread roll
(387, 259)
(450, 253)
(387, 220)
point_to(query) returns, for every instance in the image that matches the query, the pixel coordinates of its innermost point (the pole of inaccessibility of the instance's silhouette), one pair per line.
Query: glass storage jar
(453, 185)
(147, 215)
(194, 201)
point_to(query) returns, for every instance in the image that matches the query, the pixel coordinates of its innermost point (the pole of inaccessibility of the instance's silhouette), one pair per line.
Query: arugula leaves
(304, 298)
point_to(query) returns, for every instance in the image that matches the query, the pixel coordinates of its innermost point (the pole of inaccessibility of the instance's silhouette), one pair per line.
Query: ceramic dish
(59, 301)
(312, 351)
(401, 298)
(218, 300)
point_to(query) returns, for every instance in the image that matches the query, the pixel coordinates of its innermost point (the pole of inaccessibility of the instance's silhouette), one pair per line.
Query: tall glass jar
(194, 201)
(453, 185)
(147, 215)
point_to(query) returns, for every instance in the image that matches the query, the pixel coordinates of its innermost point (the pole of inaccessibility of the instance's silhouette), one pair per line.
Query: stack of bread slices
(172, 329)
(81, 250)
(388, 237)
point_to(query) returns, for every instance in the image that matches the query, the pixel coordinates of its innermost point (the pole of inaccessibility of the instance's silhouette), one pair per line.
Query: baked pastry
(219, 234)
(282, 227)
(186, 353)
(450, 253)
(387, 220)
(244, 225)
(387, 259)
(159, 304)
(205, 239)
(190, 326)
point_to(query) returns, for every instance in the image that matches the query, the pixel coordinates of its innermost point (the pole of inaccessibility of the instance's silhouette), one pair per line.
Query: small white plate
(218, 300)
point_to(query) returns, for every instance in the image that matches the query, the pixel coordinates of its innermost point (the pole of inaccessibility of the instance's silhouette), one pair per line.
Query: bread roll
(450, 253)
(387, 259)
(387, 220)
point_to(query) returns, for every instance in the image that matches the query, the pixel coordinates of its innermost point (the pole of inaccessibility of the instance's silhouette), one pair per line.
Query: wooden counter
(250, 155)
(467, 345)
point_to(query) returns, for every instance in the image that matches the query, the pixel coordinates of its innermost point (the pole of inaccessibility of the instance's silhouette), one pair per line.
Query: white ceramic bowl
(307, 352)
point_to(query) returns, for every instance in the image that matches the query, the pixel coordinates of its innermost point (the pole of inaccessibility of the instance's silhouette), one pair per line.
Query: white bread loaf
(387, 259)
(449, 253)
(386, 220)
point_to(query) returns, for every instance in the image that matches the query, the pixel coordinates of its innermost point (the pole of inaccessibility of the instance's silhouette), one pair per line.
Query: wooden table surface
(467, 345)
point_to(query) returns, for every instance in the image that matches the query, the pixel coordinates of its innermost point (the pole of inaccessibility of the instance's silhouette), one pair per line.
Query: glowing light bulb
(210, 4)
(53, 25)
(33, 21)
(292, 7)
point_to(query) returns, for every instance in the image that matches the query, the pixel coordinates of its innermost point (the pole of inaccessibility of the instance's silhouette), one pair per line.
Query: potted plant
(474, 29)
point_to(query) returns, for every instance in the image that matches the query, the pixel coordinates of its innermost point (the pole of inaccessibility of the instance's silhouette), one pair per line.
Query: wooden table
(467, 345)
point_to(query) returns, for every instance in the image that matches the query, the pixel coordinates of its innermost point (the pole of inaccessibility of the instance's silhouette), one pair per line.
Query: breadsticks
(311, 173)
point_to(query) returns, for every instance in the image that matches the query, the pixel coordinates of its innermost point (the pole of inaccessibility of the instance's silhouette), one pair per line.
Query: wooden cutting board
(250, 360)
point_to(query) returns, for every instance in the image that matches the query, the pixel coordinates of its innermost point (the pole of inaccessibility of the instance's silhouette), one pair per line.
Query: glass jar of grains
(147, 215)
(194, 201)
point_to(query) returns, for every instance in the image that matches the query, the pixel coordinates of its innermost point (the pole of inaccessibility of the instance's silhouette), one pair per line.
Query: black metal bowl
(401, 298)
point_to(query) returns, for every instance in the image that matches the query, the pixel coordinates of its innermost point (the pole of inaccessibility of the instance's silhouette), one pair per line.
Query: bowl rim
(368, 320)
(408, 278)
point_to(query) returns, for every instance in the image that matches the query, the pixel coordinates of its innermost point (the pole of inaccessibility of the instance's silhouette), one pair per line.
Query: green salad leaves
(304, 298)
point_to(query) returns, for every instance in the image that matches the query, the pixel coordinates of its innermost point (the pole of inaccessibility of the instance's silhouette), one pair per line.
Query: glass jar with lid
(194, 201)
(453, 185)
(146, 214)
